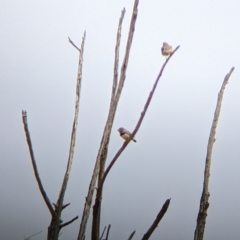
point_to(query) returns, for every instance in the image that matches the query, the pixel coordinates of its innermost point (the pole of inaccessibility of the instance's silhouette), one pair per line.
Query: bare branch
(55, 224)
(103, 233)
(113, 107)
(65, 205)
(29, 142)
(109, 226)
(102, 153)
(204, 204)
(157, 220)
(67, 223)
(69, 39)
(28, 238)
(139, 121)
(131, 236)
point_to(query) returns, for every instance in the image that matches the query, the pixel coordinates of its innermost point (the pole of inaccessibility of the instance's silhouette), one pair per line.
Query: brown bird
(166, 49)
(125, 134)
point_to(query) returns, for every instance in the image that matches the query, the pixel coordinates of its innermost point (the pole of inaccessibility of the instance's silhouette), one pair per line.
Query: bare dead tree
(97, 205)
(96, 210)
(157, 220)
(102, 153)
(204, 204)
(56, 223)
(100, 187)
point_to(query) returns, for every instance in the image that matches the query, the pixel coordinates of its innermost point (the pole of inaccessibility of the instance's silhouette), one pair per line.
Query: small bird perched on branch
(166, 49)
(125, 134)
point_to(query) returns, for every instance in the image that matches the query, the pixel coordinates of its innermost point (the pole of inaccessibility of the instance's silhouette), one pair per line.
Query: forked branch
(139, 121)
(113, 106)
(55, 226)
(204, 204)
(102, 152)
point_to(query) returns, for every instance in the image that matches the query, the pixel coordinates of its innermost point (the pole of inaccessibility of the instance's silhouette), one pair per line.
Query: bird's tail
(134, 140)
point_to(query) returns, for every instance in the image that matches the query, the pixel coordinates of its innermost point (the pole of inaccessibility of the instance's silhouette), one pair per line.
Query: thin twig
(204, 204)
(29, 142)
(157, 220)
(139, 121)
(131, 236)
(109, 226)
(28, 238)
(69, 39)
(65, 205)
(102, 153)
(103, 233)
(113, 107)
(72, 142)
(67, 223)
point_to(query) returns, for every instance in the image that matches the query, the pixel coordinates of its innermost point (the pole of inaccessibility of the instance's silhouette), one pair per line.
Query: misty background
(38, 70)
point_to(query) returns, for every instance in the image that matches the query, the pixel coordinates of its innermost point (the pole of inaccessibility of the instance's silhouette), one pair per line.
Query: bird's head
(120, 129)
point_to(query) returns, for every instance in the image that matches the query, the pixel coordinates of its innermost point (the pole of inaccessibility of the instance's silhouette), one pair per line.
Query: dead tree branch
(108, 230)
(157, 220)
(131, 236)
(204, 204)
(103, 233)
(67, 223)
(69, 39)
(28, 238)
(54, 227)
(113, 107)
(29, 142)
(97, 205)
(102, 153)
(139, 121)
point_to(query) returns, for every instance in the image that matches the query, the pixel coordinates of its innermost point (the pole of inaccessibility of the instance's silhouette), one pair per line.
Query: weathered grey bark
(56, 225)
(157, 220)
(204, 204)
(102, 152)
(114, 102)
(29, 142)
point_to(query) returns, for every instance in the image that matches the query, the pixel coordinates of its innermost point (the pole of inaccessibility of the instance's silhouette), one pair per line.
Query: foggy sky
(38, 74)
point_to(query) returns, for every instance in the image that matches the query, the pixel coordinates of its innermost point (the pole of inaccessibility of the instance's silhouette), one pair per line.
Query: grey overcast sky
(38, 74)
